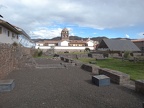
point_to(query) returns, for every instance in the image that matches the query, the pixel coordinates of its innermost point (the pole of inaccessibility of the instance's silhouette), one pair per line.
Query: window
(8, 33)
(0, 30)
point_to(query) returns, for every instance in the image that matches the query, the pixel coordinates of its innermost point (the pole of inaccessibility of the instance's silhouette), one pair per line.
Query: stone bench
(91, 68)
(115, 76)
(139, 86)
(6, 85)
(101, 80)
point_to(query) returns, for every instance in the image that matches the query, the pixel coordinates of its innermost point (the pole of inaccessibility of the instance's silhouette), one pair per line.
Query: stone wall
(139, 86)
(115, 76)
(12, 57)
(74, 56)
(91, 68)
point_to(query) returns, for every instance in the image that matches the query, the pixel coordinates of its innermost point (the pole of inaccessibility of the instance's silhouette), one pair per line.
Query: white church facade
(65, 44)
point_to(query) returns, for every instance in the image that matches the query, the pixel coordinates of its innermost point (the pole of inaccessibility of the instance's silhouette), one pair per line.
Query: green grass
(135, 70)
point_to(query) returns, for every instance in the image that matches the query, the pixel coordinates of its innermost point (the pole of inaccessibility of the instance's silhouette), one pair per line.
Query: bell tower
(65, 34)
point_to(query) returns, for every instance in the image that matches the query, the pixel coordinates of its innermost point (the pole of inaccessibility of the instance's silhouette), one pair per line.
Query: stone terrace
(64, 88)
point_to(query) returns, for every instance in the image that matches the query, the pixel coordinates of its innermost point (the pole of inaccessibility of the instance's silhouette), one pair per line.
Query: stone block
(139, 86)
(6, 85)
(91, 68)
(101, 80)
(115, 76)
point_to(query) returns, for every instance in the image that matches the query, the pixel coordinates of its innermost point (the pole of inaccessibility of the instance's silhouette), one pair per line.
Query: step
(50, 66)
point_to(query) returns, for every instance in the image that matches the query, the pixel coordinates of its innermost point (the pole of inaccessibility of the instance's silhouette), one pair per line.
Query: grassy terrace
(135, 70)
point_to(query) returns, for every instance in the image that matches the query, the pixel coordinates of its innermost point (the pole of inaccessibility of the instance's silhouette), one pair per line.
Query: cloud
(127, 36)
(48, 33)
(98, 14)
(45, 33)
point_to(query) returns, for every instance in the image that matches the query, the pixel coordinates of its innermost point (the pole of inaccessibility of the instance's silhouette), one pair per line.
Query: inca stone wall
(12, 57)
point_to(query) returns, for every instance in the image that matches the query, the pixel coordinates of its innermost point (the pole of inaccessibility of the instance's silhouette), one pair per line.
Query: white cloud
(45, 33)
(127, 36)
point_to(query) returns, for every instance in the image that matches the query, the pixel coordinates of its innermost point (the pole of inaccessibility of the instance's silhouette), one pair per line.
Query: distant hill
(99, 39)
(36, 40)
(122, 38)
(73, 38)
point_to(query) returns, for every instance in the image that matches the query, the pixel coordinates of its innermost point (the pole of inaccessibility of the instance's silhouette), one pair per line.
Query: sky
(85, 18)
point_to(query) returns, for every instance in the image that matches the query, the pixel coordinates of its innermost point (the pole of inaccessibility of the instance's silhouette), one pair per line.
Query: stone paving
(64, 88)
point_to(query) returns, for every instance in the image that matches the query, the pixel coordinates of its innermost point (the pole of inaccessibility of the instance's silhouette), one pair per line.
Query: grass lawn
(135, 70)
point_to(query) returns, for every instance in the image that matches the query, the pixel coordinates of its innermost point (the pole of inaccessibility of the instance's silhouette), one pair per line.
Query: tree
(87, 49)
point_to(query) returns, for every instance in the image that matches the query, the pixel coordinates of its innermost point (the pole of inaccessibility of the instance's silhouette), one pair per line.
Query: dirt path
(64, 88)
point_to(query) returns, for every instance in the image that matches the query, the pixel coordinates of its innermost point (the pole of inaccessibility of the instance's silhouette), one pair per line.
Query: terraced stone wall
(11, 57)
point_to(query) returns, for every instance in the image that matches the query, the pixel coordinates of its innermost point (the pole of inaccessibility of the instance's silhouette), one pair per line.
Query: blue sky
(46, 18)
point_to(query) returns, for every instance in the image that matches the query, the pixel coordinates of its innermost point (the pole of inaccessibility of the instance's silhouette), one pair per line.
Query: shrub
(38, 53)
(87, 49)
(15, 44)
(126, 54)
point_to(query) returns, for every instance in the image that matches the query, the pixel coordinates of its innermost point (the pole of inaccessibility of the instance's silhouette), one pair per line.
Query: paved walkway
(64, 88)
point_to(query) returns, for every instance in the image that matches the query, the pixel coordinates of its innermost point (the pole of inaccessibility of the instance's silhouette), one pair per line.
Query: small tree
(15, 44)
(53, 49)
(38, 53)
(127, 54)
(87, 49)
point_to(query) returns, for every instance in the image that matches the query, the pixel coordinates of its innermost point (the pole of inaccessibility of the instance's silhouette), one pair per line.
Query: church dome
(65, 30)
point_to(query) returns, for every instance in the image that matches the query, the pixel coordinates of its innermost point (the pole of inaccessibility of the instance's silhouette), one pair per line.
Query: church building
(65, 44)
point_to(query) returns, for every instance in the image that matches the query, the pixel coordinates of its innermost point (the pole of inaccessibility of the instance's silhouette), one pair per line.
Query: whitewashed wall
(64, 48)
(63, 43)
(4, 38)
(90, 43)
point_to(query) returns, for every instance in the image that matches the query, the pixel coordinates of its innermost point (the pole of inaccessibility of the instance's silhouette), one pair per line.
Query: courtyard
(69, 87)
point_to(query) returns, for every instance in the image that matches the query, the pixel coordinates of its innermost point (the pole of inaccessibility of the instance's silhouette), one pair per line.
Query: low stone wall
(74, 56)
(115, 76)
(12, 57)
(95, 55)
(139, 86)
(91, 68)
(70, 60)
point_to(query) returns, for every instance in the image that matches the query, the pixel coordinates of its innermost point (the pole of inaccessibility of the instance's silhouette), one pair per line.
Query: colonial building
(65, 44)
(10, 34)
